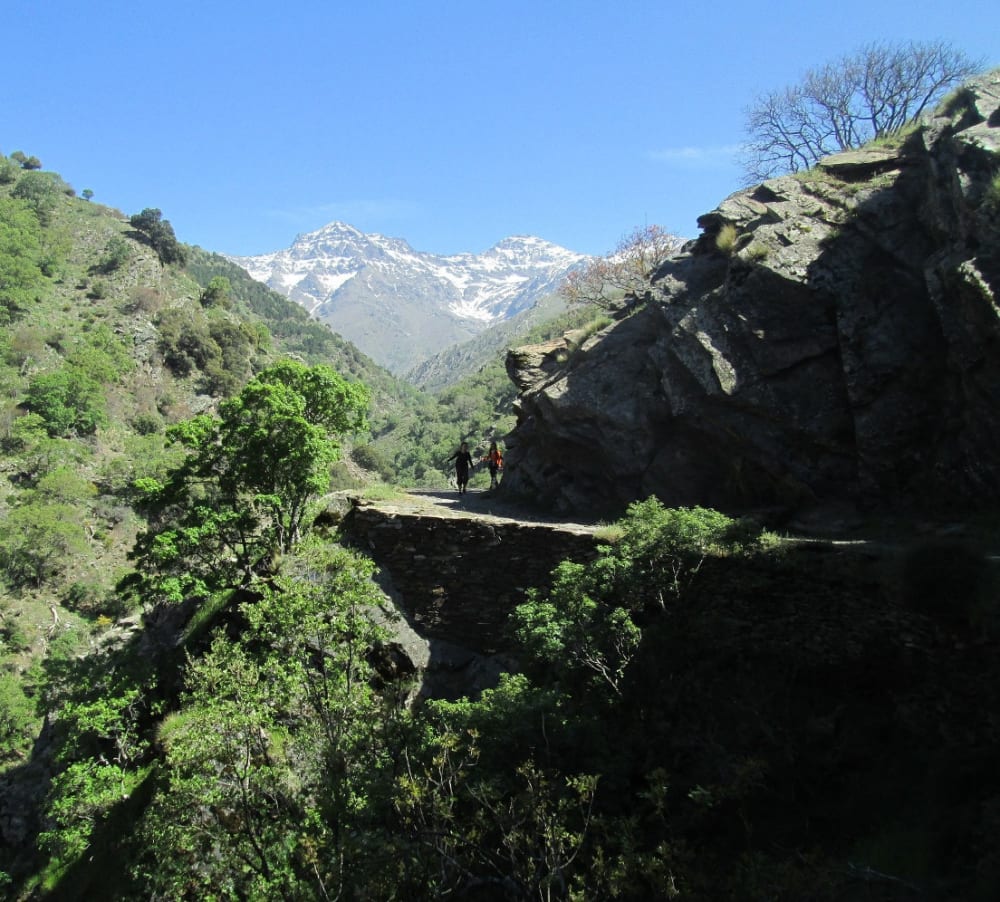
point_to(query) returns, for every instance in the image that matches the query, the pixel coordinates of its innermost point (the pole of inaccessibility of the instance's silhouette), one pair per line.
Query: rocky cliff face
(842, 347)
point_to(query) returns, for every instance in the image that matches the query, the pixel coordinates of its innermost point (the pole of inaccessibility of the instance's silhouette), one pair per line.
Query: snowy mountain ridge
(401, 306)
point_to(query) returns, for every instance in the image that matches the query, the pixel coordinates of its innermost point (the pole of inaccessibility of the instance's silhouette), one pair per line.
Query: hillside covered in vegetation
(201, 695)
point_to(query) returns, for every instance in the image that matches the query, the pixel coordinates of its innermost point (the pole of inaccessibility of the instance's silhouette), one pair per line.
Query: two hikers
(463, 464)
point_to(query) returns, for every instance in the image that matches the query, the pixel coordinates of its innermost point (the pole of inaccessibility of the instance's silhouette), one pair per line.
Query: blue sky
(449, 124)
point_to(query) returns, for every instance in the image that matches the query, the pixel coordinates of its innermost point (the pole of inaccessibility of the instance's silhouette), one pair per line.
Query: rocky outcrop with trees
(831, 336)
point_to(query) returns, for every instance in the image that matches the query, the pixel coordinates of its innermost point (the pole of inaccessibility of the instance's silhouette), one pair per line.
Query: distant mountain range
(402, 306)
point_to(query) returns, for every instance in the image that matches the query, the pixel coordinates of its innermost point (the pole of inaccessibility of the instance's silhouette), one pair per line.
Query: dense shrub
(117, 252)
(69, 402)
(185, 340)
(369, 457)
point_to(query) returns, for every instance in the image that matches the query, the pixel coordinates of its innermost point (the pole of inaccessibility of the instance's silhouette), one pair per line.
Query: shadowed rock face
(844, 349)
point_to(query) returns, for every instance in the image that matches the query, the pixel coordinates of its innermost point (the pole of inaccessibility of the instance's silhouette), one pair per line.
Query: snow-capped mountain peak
(399, 305)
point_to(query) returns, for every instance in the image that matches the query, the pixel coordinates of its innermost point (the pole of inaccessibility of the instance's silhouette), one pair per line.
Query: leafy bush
(98, 290)
(117, 252)
(369, 457)
(147, 423)
(101, 355)
(218, 293)
(69, 401)
(185, 340)
(589, 619)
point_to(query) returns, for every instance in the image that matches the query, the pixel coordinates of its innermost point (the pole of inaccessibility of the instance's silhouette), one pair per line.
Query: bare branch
(622, 277)
(874, 92)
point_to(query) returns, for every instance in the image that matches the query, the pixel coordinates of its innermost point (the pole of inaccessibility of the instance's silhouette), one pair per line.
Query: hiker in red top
(494, 460)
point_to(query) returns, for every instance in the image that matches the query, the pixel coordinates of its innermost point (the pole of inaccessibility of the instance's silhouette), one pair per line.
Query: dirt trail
(474, 504)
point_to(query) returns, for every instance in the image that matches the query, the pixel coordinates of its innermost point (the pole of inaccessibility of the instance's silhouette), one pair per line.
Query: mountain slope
(401, 306)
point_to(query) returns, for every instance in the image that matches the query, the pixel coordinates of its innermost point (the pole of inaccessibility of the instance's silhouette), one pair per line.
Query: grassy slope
(75, 603)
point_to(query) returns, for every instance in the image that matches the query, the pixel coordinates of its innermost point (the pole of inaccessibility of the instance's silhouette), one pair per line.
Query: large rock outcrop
(830, 337)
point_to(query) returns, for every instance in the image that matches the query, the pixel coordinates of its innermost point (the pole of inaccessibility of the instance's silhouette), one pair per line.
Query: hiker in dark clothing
(463, 463)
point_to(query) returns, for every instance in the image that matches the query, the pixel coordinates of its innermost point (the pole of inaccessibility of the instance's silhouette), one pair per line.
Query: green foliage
(589, 621)
(17, 719)
(185, 341)
(218, 292)
(369, 457)
(518, 828)
(69, 401)
(243, 493)
(218, 346)
(21, 275)
(104, 702)
(9, 171)
(667, 546)
(117, 252)
(37, 540)
(159, 233)
(270, 784)
(101, 355)
(41, 192)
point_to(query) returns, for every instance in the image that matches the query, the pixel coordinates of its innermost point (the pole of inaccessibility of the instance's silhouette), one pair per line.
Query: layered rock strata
(831, 337)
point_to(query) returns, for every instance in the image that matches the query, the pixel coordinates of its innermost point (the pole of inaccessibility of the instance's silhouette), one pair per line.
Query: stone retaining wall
(459, 577)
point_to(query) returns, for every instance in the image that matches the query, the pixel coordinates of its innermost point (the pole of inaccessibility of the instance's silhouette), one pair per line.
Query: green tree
(70, 401)
(101, 355)
(160, 235)
(243, 493)
(21, 275)
(185, 340)
(218, 293)
(588, 621)
(236, 342)
(273, 784)
(41, 191)
(38, 540)
(9, 171)
(17, 718)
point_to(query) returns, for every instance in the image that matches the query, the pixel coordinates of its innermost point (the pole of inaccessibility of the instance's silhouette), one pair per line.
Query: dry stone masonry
(459, 574)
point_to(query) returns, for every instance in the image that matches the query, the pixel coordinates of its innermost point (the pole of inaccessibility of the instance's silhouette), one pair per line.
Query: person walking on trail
(493, 460)
(463, 463)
